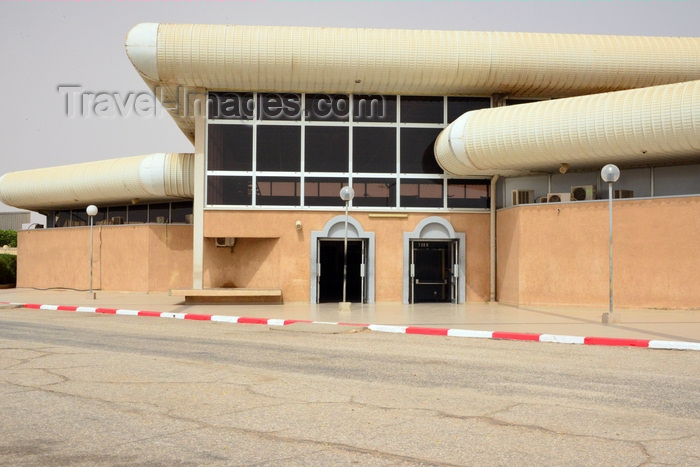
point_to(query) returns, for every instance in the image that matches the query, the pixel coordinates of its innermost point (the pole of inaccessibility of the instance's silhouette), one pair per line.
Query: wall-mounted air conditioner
(583, 193)
(223, 242)
(522, 197)
(558, 197)
(617, 194)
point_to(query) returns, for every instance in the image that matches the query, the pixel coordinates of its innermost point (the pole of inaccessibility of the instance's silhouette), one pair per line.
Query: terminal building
(475, 160)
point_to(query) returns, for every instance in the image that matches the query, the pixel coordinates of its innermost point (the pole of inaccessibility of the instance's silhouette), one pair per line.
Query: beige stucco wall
(270, 252)
(138, 258)
(557, 254)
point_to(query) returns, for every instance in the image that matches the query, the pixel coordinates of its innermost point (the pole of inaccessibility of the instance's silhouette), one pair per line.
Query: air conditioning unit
(618, 194)
(522, 197)
(583, 193)
(558, 197)
(223, 242)
(118, 220)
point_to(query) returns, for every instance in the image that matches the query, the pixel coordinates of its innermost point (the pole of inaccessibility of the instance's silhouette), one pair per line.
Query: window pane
(520, 101)
(326, 149)
(159, 213)
(277, 191)
(419, 109)
(100, 217)
(62, 219)
(230, 106)
(417, 154)
(279, 148)
(457, 106)
(374, 108)
(138, 214)
(230, 147)
(374, 192)
(467, 194)
(79, 218)
(328, 107)
(418, 193)
(229, 190)
(180, 211)
(374, 150)
(276, 106)
(323, 191)
(117, 215)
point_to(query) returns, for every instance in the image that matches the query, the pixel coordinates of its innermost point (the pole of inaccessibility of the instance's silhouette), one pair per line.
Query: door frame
(435, 228)
(452, 256)
(335, 229)
(363, 266)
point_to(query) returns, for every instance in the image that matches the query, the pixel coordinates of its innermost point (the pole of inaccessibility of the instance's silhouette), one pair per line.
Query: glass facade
(298, 150)
(156, 213)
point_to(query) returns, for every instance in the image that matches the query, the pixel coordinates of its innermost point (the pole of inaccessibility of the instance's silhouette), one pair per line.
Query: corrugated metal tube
(647, 126)
(400, 61)
(153, 177)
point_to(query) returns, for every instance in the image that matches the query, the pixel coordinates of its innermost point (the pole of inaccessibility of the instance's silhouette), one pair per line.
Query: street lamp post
(346, 194)
(610, 174)
(91, 212)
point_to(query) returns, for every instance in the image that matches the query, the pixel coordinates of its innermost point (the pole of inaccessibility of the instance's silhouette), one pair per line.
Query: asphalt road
(85, 389)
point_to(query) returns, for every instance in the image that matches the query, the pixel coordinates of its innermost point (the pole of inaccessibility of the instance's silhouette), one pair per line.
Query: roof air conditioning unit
(223, 242)
(583, 193)
(522, 197)
(617, 194)
(558, 197)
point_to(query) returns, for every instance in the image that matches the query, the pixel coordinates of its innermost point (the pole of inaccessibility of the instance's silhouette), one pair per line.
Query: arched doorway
(434, 263)
(327, 255)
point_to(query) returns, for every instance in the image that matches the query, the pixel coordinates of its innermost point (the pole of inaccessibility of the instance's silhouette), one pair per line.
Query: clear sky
(47, 44)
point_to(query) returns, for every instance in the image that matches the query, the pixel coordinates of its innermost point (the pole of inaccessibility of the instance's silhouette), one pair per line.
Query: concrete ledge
(229, 295)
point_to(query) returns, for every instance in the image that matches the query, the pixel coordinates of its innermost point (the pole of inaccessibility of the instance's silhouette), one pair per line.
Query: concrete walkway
(667, 325)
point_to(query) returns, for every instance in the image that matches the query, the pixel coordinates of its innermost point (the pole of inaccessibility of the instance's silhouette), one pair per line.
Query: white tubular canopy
(149, 178)
(647, 126)
(171, 57)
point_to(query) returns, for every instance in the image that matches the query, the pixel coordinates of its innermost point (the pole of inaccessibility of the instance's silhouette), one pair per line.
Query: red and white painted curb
(559, 339)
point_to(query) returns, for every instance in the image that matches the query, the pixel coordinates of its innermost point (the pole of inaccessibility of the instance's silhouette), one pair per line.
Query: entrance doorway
(330, 270)
(434, 271)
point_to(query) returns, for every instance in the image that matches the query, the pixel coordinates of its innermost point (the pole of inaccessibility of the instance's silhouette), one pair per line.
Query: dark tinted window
(326, 149)
(374, 192)
(420, 109)
(159, 213)
(179, 211)
(79, 218)
(417, 154)
(328, 107)
(467, 194)
(421, 193)
(278, 106)
(323, 191)
(230, 147)
(230, 106)
(276, 191)
(457, 106)
(99, 218)
(374, 108)
(116, 215)
(61, 219)
(374, 150)
(138, 213)
(519, 101)
(279, 148)
(229, 190)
